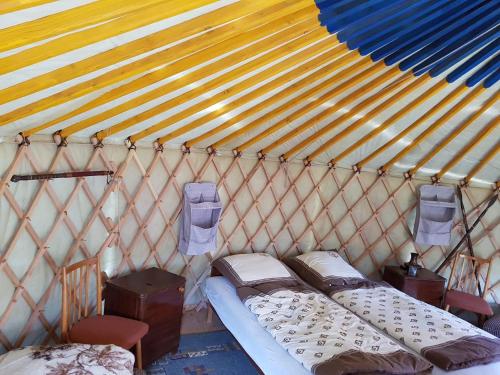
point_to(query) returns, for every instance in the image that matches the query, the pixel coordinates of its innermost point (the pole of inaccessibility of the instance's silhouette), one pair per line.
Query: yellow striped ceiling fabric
(249, 76)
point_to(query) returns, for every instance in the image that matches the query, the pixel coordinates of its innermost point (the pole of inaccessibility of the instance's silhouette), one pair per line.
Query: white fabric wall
(278, 208)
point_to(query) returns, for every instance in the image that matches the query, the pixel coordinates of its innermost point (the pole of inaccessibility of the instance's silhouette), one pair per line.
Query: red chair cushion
(467, 302)
(108, 329)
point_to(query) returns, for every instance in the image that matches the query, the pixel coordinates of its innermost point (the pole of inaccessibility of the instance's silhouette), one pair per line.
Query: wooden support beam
(490, 154)
(247, 13)
(443, 103)
(492, 125)
(8, 6)
(70, 20)
(442, 120)
(260, 91)
(316, 42)
(282, 94)
(188, 62)
(390, 74)
(51, 176)
(374, 68)
(456, 132)
(414, 85)
(309, 95)
(73, 41)
(390, 121)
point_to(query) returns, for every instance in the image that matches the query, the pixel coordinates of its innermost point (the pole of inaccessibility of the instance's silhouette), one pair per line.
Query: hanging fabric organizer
(200, 218)
(435, 212)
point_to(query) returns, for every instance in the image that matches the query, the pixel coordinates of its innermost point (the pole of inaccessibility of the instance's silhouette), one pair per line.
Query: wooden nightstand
(426, 286)
(155, 297)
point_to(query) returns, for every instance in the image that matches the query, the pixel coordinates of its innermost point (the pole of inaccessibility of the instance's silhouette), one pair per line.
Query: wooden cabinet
(152, 296)
(426, 286)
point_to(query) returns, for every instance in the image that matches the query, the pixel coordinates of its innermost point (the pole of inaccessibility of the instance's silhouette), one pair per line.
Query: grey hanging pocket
(200, 216)
(435, 212)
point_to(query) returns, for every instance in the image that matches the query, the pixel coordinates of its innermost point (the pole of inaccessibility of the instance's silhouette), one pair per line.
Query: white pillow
(252, 269)
(329, 264)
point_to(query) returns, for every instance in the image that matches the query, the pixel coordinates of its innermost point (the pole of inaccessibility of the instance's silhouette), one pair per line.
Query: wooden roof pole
(492, 125)
(258, 92)
(386, 90)
(387, 123)
(330, 95)
(427, 132)
(14, 6)
(311, 44)
(369, 116)
(69, 20)
(308, 95)
(484, 107)
(85, 37)
(490, 154)
(445, 101)
(188, 62)
(246, 17)
(285, 92)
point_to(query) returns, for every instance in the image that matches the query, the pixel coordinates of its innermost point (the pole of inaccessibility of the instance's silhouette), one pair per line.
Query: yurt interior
(240, 187)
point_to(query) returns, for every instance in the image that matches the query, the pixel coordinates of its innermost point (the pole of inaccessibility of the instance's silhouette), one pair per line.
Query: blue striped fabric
(460, 37)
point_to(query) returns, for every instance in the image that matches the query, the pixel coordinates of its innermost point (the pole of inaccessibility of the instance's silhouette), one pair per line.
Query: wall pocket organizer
(201, 212)
(435, 212)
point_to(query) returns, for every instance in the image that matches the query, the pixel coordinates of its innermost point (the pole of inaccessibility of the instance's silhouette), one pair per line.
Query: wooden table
(153, 296)
(427, 286)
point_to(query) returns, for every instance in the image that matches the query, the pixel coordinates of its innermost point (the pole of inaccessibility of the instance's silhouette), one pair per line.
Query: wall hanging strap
(435, 212)
(200, 218)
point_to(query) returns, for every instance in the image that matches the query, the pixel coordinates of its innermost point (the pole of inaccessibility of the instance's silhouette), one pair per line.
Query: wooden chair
(463, 291)
(77, 323)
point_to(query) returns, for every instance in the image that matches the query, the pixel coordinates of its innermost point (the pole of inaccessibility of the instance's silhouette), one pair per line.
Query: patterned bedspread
(442, 338)
(70, 359)
(327, 338)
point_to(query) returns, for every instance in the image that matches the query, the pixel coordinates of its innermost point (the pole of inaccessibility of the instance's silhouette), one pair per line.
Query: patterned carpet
(214, 353)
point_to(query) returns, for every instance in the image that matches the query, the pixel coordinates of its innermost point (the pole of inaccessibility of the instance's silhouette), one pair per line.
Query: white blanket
(70, 359)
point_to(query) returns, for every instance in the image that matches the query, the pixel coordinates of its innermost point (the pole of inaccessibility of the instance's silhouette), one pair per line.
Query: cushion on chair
(467, 302)
(108, 329)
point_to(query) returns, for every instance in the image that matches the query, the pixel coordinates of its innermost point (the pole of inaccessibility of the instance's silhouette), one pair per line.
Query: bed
(445, 340)
(79, 359)
(267, 354)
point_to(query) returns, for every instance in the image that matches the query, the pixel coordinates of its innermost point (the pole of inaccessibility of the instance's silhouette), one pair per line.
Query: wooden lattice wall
(131, 221)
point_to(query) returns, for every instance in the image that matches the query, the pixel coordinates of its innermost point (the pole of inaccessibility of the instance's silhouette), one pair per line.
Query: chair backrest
(76, 293)
(466, 275)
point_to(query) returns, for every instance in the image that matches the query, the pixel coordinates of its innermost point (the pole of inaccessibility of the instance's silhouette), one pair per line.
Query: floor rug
(214, 353)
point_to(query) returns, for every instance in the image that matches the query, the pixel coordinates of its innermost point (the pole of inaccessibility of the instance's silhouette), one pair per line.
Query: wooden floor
(196, 322)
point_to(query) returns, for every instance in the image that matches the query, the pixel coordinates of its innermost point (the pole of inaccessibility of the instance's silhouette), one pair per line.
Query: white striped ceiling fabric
(246, 76)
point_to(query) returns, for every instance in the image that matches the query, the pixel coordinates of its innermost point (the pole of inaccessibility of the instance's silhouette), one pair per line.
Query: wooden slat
(414, 85)
(427, 132)
(455, 133)
(209, 29)
(390, 74)
(487, 130)
(8, 6)
(435, 109)
(150, 62)
(189, 62)
(282, 94)
(306, 40)
(308, 95)
(490, 154)
(69, 20)
(441, 84)
(255, 94)
(76, 40)
(348, 72)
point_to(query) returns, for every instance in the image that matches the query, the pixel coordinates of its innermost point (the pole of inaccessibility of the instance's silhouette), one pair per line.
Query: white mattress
(261, 346)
